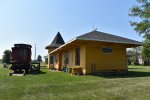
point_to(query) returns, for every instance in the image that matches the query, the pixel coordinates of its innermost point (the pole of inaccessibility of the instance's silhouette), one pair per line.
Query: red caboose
(21, 54)
(21, 58)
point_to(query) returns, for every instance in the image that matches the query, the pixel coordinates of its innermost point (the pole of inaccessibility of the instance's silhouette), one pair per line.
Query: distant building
(132, 56)
(93, 52)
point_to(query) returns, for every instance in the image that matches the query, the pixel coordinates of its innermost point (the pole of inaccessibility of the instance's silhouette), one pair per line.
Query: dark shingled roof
(57, 42)
(105, 37)
(102, 37)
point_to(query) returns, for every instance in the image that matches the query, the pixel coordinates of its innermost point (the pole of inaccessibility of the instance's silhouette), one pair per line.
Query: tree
(137, 51)
(146, 50)
(141, 11)
(6, 57)
(46, 59)
(39, 58)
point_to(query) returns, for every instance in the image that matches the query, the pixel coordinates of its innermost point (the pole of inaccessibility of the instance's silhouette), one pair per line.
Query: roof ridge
(102, 36)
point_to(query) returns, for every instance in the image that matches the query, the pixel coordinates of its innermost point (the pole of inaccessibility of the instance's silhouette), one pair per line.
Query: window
(107, 50)
(51, 59)
(21, 53)
(77, 56)
(66, 58)
(25, 53)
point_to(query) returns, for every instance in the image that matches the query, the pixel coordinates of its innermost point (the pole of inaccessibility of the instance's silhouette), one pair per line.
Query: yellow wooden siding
(48, 66)
(71, 62)
(83, 58)
(63, 59)
(56, 63)
(96, 60)
(71, 58)
(92, 59)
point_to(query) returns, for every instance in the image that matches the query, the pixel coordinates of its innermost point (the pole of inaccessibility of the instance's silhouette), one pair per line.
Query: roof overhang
(83, 41)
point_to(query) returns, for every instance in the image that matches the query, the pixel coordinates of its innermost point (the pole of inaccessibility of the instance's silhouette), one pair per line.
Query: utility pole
(35, 52)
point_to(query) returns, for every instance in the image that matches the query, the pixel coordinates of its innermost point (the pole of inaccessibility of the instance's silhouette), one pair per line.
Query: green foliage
(146, 50)
(39, 58)
(46, 59)
(141, 11)
(7, 57)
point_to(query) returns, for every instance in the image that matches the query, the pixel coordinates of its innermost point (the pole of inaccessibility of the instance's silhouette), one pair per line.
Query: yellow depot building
(93, 52)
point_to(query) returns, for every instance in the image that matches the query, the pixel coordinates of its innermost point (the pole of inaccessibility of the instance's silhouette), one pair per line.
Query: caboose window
(25, 53)
(21, 53)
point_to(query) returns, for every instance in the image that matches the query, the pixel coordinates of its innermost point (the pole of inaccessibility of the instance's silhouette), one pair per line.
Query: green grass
(60, 86)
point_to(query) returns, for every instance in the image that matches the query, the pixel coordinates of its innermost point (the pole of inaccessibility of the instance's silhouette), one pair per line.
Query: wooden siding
(71, 62)
(97, 61)
(92, 58)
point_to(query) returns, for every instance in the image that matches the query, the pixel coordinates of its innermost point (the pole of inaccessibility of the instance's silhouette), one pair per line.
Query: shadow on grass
(129, 74)
(37, 73)
(41, 72)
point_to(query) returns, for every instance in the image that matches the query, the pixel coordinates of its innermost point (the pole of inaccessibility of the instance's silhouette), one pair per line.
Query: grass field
(61, 86)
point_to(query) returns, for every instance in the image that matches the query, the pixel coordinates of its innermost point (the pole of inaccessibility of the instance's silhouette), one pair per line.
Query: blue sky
(38, 21)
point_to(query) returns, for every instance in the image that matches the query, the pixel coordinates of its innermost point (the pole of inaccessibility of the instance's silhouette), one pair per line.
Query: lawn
(60, 86)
